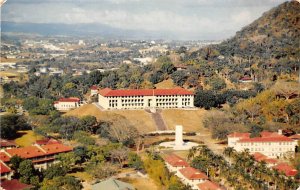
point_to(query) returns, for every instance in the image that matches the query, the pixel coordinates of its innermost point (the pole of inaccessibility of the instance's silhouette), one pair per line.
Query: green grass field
(27, 138)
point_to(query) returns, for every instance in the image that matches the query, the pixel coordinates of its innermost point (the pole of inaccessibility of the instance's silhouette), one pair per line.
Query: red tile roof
(286, 169)
(239, 135)
(26, 152)
(208, 185)
(259, 156)
(4, 168)
(7, 143)
(94, 87)
(4, 157)
(267, 139)
(144, 92)
(67, 100)
(192, 173)
(176, 161)
(47, 141)
(14, 185)
(56, 148)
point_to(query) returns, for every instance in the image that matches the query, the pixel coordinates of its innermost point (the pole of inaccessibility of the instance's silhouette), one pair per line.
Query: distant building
(245, 79)
(65, 104)
(94, 90)
(145, 98)
(270, 144)
(7, 144)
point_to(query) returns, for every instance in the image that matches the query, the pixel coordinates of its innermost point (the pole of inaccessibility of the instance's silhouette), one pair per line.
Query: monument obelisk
(178, 136)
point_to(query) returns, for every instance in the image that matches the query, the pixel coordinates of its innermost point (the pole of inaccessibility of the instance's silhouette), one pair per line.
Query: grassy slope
(139, 118)
(191, 120)
(166, 84)
(28, 138)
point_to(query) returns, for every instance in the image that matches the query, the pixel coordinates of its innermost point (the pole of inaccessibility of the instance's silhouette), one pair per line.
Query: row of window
(111, 97)
(279, 149)
(67, 106)
(266, 143)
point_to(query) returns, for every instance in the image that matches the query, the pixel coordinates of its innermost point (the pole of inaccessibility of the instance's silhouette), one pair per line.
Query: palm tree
(192, 153)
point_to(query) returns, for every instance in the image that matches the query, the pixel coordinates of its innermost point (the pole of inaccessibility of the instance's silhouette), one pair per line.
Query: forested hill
(272, 41)
(276, 34)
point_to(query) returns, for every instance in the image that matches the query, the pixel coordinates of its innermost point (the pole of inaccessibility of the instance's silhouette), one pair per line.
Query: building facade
(65, 104)
(270, 144)
(145, 98)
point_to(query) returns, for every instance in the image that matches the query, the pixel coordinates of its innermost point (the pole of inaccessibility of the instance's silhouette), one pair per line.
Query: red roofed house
(5, 171)
(175, 163)
(286, 169)
(94, 90)
(270, 144)
(191, 176)
(145, 98)
(208, 185)
(259, 157)
(65, 104)
(41, 156)
(14, 185)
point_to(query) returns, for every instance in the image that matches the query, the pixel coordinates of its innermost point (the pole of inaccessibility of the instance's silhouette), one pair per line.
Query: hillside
(270, 46)
(274, 35)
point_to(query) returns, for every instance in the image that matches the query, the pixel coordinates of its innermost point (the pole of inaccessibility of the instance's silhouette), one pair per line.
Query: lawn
(27, 138)
(165, 84)
(191, 120)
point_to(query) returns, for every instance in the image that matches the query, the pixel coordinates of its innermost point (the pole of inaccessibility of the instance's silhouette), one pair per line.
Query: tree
(119, 155)
(287, 89)
(134, 161)
(84, 138)
(102, 170)
(26, 171)
(54, 171)
(62, 182)
(156, 77)
(216, 83)
(255, 130)
(89, 123)
(15, 162)
(80, 153)
(205, 98)
(179, 77)
(10, 124)
(167, 67)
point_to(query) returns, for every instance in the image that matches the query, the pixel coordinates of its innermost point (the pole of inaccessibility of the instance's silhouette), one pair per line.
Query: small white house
(175, 163)
(94, 90)
(65, 104)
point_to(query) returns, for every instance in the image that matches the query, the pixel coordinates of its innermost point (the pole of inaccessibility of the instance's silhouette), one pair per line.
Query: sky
(184, 19)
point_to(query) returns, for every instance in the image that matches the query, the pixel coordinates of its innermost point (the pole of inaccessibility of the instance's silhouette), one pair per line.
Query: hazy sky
(194, 19)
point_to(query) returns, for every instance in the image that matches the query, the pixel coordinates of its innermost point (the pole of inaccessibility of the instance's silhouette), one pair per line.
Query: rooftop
(112, 184)
(7, 143)
(26, 152)
(208, 185)
(73, 99)
(14, 185)
(286, 169)
(56, 148)
(192, 173)
(107, 92)
(176, 161)
(4, 168)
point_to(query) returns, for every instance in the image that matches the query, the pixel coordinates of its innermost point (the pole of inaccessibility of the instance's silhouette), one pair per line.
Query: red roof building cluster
(107, 92)
(259, 157)
(192, 174)
(176, 161)
(265, 136)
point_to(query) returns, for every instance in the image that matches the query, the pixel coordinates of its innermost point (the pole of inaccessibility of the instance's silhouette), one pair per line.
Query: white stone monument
(178, 144)
(178, 136)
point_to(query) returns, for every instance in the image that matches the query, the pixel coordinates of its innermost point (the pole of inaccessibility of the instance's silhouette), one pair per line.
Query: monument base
(184, 146)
